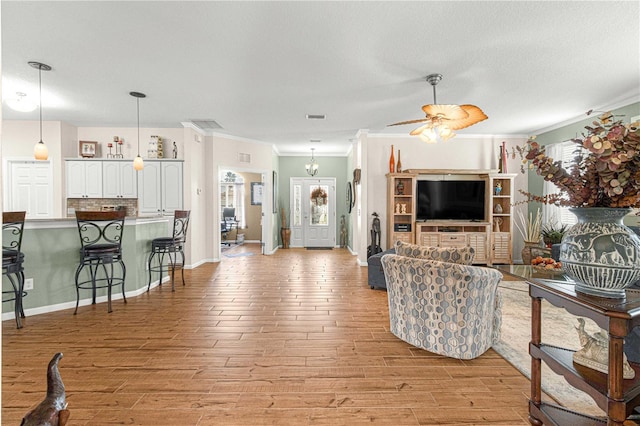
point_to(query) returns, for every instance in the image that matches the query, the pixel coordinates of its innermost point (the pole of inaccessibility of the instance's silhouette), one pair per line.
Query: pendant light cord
(138, 105)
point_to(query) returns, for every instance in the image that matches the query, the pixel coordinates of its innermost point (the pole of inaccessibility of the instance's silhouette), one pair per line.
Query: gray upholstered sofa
(374, 269)
(451, 309)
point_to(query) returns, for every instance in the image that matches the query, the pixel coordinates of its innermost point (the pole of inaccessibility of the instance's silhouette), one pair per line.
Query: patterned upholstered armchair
(445, 308)
(460, 255)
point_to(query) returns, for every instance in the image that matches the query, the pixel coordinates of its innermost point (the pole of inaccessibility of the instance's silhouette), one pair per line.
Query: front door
(313, 207)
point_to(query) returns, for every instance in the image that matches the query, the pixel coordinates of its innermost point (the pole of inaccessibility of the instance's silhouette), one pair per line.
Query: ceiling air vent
(315, 140)
(244, 158)
(206, 124)
(316, 116)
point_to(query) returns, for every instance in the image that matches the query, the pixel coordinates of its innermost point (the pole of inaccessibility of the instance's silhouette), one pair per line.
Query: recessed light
(20, 103)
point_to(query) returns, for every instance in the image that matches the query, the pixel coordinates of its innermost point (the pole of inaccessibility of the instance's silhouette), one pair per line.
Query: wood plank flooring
(296, 338)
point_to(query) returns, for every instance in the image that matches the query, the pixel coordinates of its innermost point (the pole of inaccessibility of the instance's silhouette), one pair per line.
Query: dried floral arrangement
(605, 170)
(531, 228)
(319, 193)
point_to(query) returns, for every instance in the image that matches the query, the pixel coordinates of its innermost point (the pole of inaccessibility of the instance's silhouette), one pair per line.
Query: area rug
(244, 254)
(558, 328)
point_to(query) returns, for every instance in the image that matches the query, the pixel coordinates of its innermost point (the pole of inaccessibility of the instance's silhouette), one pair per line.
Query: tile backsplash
(98, 204)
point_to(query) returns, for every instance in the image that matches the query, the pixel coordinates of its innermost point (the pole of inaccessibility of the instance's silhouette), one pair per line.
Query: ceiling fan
(441, 120)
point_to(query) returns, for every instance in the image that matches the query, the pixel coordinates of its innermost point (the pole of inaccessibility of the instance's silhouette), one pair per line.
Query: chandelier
(312, 167)
(442, 120)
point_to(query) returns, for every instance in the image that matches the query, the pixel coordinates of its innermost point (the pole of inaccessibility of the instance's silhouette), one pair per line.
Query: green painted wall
(336, 167)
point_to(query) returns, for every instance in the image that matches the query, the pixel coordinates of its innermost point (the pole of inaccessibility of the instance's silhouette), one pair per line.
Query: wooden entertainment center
(490, 238)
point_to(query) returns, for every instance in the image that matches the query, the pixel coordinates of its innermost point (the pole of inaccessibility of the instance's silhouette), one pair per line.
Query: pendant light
(312, 167)
(40, 151)
(138, 164)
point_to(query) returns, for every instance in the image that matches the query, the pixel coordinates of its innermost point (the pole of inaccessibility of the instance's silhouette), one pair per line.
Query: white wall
(195, 198)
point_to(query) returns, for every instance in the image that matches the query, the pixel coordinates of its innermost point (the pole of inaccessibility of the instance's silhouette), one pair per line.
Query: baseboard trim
(83, 302)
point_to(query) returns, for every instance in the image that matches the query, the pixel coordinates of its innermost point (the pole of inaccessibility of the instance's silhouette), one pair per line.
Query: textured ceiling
(257, 68)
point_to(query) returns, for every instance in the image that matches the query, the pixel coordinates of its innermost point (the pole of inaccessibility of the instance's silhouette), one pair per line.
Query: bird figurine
(52, 411)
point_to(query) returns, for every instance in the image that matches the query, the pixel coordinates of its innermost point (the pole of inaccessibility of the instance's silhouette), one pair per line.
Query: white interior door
(319, 212)
(30, 188)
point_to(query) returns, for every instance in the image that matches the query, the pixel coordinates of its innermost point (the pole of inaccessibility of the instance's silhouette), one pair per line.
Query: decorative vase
(503, 157)
(527, 255)
(392, 161)
(285, 233)
(599, 253)
(399, 164)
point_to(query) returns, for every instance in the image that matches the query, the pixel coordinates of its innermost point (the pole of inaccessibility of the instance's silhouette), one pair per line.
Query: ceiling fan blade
(475, 116)
(450, 112)
(416, 132)
(422, 120)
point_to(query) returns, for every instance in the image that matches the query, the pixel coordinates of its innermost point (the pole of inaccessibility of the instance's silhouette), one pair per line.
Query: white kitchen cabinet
(84, 179)
(160, 187)
(119, 179)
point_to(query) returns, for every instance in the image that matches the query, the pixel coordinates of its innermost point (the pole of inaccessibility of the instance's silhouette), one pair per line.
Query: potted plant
(601, 185)
(552, 233)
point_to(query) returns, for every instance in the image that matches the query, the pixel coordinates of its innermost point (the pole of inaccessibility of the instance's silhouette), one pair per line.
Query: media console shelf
(456, 234)
(401, 202)
(491, 238)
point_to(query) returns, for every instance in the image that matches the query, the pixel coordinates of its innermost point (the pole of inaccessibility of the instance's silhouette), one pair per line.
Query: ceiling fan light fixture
(442, 119)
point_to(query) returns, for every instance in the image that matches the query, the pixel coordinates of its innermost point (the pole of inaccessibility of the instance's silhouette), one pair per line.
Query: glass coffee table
(615, 396)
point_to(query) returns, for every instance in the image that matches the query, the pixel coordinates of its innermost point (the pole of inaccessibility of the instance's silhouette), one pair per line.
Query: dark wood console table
(617, 397)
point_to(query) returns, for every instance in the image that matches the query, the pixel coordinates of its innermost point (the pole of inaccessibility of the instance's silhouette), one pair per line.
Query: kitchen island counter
(51, 248)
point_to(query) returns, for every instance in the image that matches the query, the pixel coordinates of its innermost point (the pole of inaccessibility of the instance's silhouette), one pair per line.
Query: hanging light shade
(441, 120)
(312, 166)
(40, 151)
(138, 163)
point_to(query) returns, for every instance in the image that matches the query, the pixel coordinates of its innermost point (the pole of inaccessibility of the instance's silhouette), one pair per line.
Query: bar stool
(101, 246)
(12, 260)
(170, 246)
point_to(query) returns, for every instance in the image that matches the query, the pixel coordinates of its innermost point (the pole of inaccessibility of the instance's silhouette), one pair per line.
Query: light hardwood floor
(296, 338)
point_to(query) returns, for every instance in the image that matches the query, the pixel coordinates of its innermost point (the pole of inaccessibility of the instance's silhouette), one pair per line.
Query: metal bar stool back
(171, 247)
(101, 248)
(12, 261)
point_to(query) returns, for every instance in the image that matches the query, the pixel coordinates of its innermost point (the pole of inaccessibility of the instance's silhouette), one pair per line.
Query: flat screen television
(450, 200)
